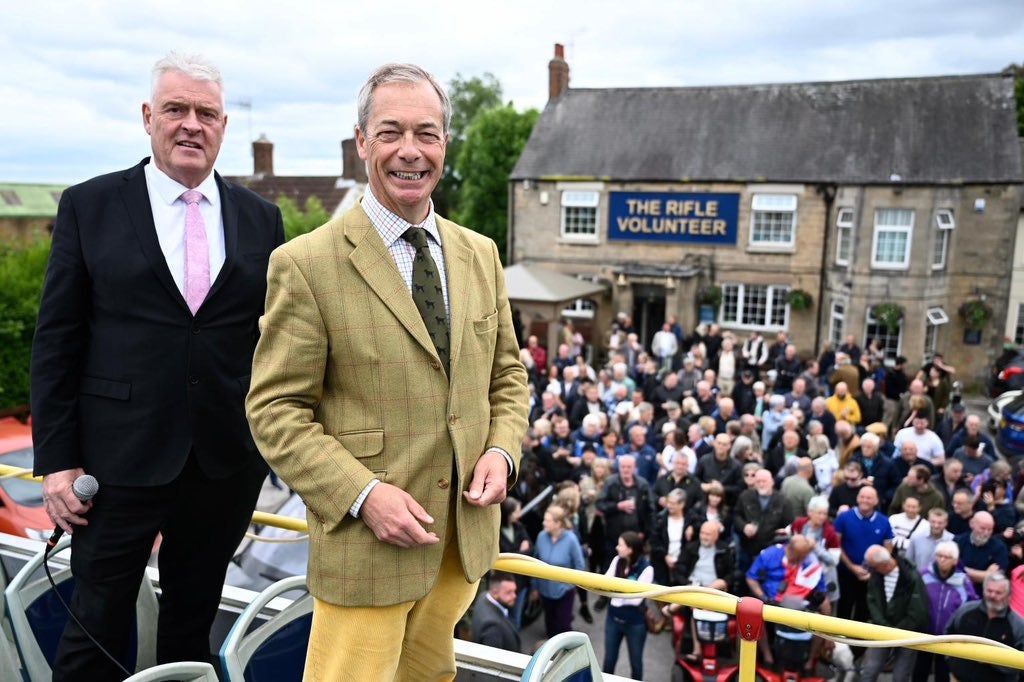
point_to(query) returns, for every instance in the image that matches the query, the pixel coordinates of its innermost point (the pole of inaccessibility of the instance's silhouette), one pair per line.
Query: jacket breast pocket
(487, 324)
(105, 388)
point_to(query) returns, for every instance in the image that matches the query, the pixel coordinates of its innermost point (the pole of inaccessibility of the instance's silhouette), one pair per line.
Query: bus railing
(751, 613)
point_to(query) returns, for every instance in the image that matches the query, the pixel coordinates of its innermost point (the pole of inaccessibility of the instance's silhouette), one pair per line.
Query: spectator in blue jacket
(557, 545)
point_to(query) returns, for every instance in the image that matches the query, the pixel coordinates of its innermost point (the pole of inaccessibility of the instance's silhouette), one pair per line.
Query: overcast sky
(75, 74)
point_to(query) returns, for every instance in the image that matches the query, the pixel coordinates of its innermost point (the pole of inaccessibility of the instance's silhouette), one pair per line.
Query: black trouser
(853, 596)
(202, 522)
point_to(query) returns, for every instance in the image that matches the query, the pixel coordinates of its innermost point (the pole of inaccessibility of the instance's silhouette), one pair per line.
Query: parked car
(1010, 432)
(1007, 372)
(21, 501)
(995, 408)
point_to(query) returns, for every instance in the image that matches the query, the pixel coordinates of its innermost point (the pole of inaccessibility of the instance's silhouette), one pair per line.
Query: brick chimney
(558, 73)
(352, 167)
(263, 156)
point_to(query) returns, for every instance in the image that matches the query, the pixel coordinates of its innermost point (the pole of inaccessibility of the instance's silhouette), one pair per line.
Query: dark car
(1007, 372)
(1010, 431)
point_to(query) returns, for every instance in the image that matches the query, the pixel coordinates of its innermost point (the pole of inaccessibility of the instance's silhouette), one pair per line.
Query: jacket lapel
(229, 215)
(457, 255)
(375, 265)
(136, 199)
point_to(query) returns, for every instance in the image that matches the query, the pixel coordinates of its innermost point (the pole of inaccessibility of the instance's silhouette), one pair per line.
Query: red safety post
(750, 618)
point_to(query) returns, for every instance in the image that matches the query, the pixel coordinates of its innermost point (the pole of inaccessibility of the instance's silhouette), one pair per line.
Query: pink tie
(197, 252)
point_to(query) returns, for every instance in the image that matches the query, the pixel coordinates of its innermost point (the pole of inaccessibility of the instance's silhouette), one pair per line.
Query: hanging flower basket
(799, 299)
(888, 315)
(711, 295)
(975, 314)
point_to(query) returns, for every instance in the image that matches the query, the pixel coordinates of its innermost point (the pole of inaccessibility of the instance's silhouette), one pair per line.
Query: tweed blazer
(347, 387)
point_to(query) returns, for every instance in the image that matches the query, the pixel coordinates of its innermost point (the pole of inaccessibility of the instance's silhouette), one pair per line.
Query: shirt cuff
(508, 459)
(358, 504)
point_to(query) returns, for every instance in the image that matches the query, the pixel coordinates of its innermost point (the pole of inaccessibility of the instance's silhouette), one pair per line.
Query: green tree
(493, 144)
(1019, 89)
(469, 96)
(22, 269)
(301, 220)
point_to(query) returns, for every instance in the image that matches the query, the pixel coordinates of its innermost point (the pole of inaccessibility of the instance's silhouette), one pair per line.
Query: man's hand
(490, 480)
(396, 518)
(63, 508)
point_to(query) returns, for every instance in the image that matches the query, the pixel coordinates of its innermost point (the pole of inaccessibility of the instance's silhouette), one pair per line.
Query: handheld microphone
(85, 488)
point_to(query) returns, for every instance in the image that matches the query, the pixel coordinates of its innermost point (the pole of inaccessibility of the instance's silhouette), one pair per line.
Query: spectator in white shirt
(929, 445)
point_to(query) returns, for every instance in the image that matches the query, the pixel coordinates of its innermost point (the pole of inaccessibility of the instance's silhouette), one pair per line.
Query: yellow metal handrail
(711, 600)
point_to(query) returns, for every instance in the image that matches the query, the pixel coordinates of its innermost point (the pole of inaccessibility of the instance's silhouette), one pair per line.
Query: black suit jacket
(125, 381)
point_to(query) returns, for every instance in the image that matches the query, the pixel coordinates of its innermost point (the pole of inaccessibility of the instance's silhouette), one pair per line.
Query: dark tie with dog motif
(428, 293)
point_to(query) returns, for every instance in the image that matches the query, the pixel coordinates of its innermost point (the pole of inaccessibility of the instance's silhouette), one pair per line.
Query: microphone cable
(56, 591)
(84, 488)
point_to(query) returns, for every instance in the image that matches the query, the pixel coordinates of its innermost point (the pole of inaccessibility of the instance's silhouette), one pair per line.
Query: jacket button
(193, 380)
(195, 330)
(452, 419)
(443, 483)
(435, 364)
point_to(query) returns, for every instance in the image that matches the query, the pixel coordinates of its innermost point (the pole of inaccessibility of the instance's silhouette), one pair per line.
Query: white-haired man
(140, 362)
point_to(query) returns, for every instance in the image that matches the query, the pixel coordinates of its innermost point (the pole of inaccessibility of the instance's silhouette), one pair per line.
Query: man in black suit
(140, 367)
(492, 624)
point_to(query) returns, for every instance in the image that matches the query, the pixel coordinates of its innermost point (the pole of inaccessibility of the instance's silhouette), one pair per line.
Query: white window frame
(844, 235)
(581, 308)
(933, 320)
(892, 229)
(580, 199)
(869, 321)
(944, 226)
(837, 322)
(762, 204)
(937, 316)
(775, 294)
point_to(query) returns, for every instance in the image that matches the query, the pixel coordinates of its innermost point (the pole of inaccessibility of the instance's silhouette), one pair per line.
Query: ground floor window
(837, 323)
(935, 318)
(755, 306)
(581, 307)
(890, 341)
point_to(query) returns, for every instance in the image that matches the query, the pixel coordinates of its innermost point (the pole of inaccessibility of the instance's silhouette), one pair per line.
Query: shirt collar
(494, 601)
(856, 510)
(170, 190)
(392, 226)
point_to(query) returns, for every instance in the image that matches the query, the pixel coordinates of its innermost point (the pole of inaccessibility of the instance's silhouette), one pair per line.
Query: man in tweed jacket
(401, 462)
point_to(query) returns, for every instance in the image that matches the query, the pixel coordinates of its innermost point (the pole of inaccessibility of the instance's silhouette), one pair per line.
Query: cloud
(74, 78)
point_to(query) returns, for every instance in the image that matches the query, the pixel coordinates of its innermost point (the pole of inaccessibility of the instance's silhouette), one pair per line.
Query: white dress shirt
(169, 219)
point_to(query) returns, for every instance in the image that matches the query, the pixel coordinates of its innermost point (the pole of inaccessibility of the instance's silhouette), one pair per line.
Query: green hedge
(22, 268)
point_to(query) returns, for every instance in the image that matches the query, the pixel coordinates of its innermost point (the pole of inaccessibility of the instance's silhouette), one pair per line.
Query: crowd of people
(737, 463)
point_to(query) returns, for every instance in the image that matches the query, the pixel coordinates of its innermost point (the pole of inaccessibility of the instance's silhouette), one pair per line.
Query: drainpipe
(510, 223)
(828, 193)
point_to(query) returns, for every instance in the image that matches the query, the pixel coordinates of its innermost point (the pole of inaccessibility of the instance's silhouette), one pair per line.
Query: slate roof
(951, 129)
(330, 190)
(20, 200)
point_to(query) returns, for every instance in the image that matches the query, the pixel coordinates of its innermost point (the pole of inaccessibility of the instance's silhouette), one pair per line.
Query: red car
(21, 501)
